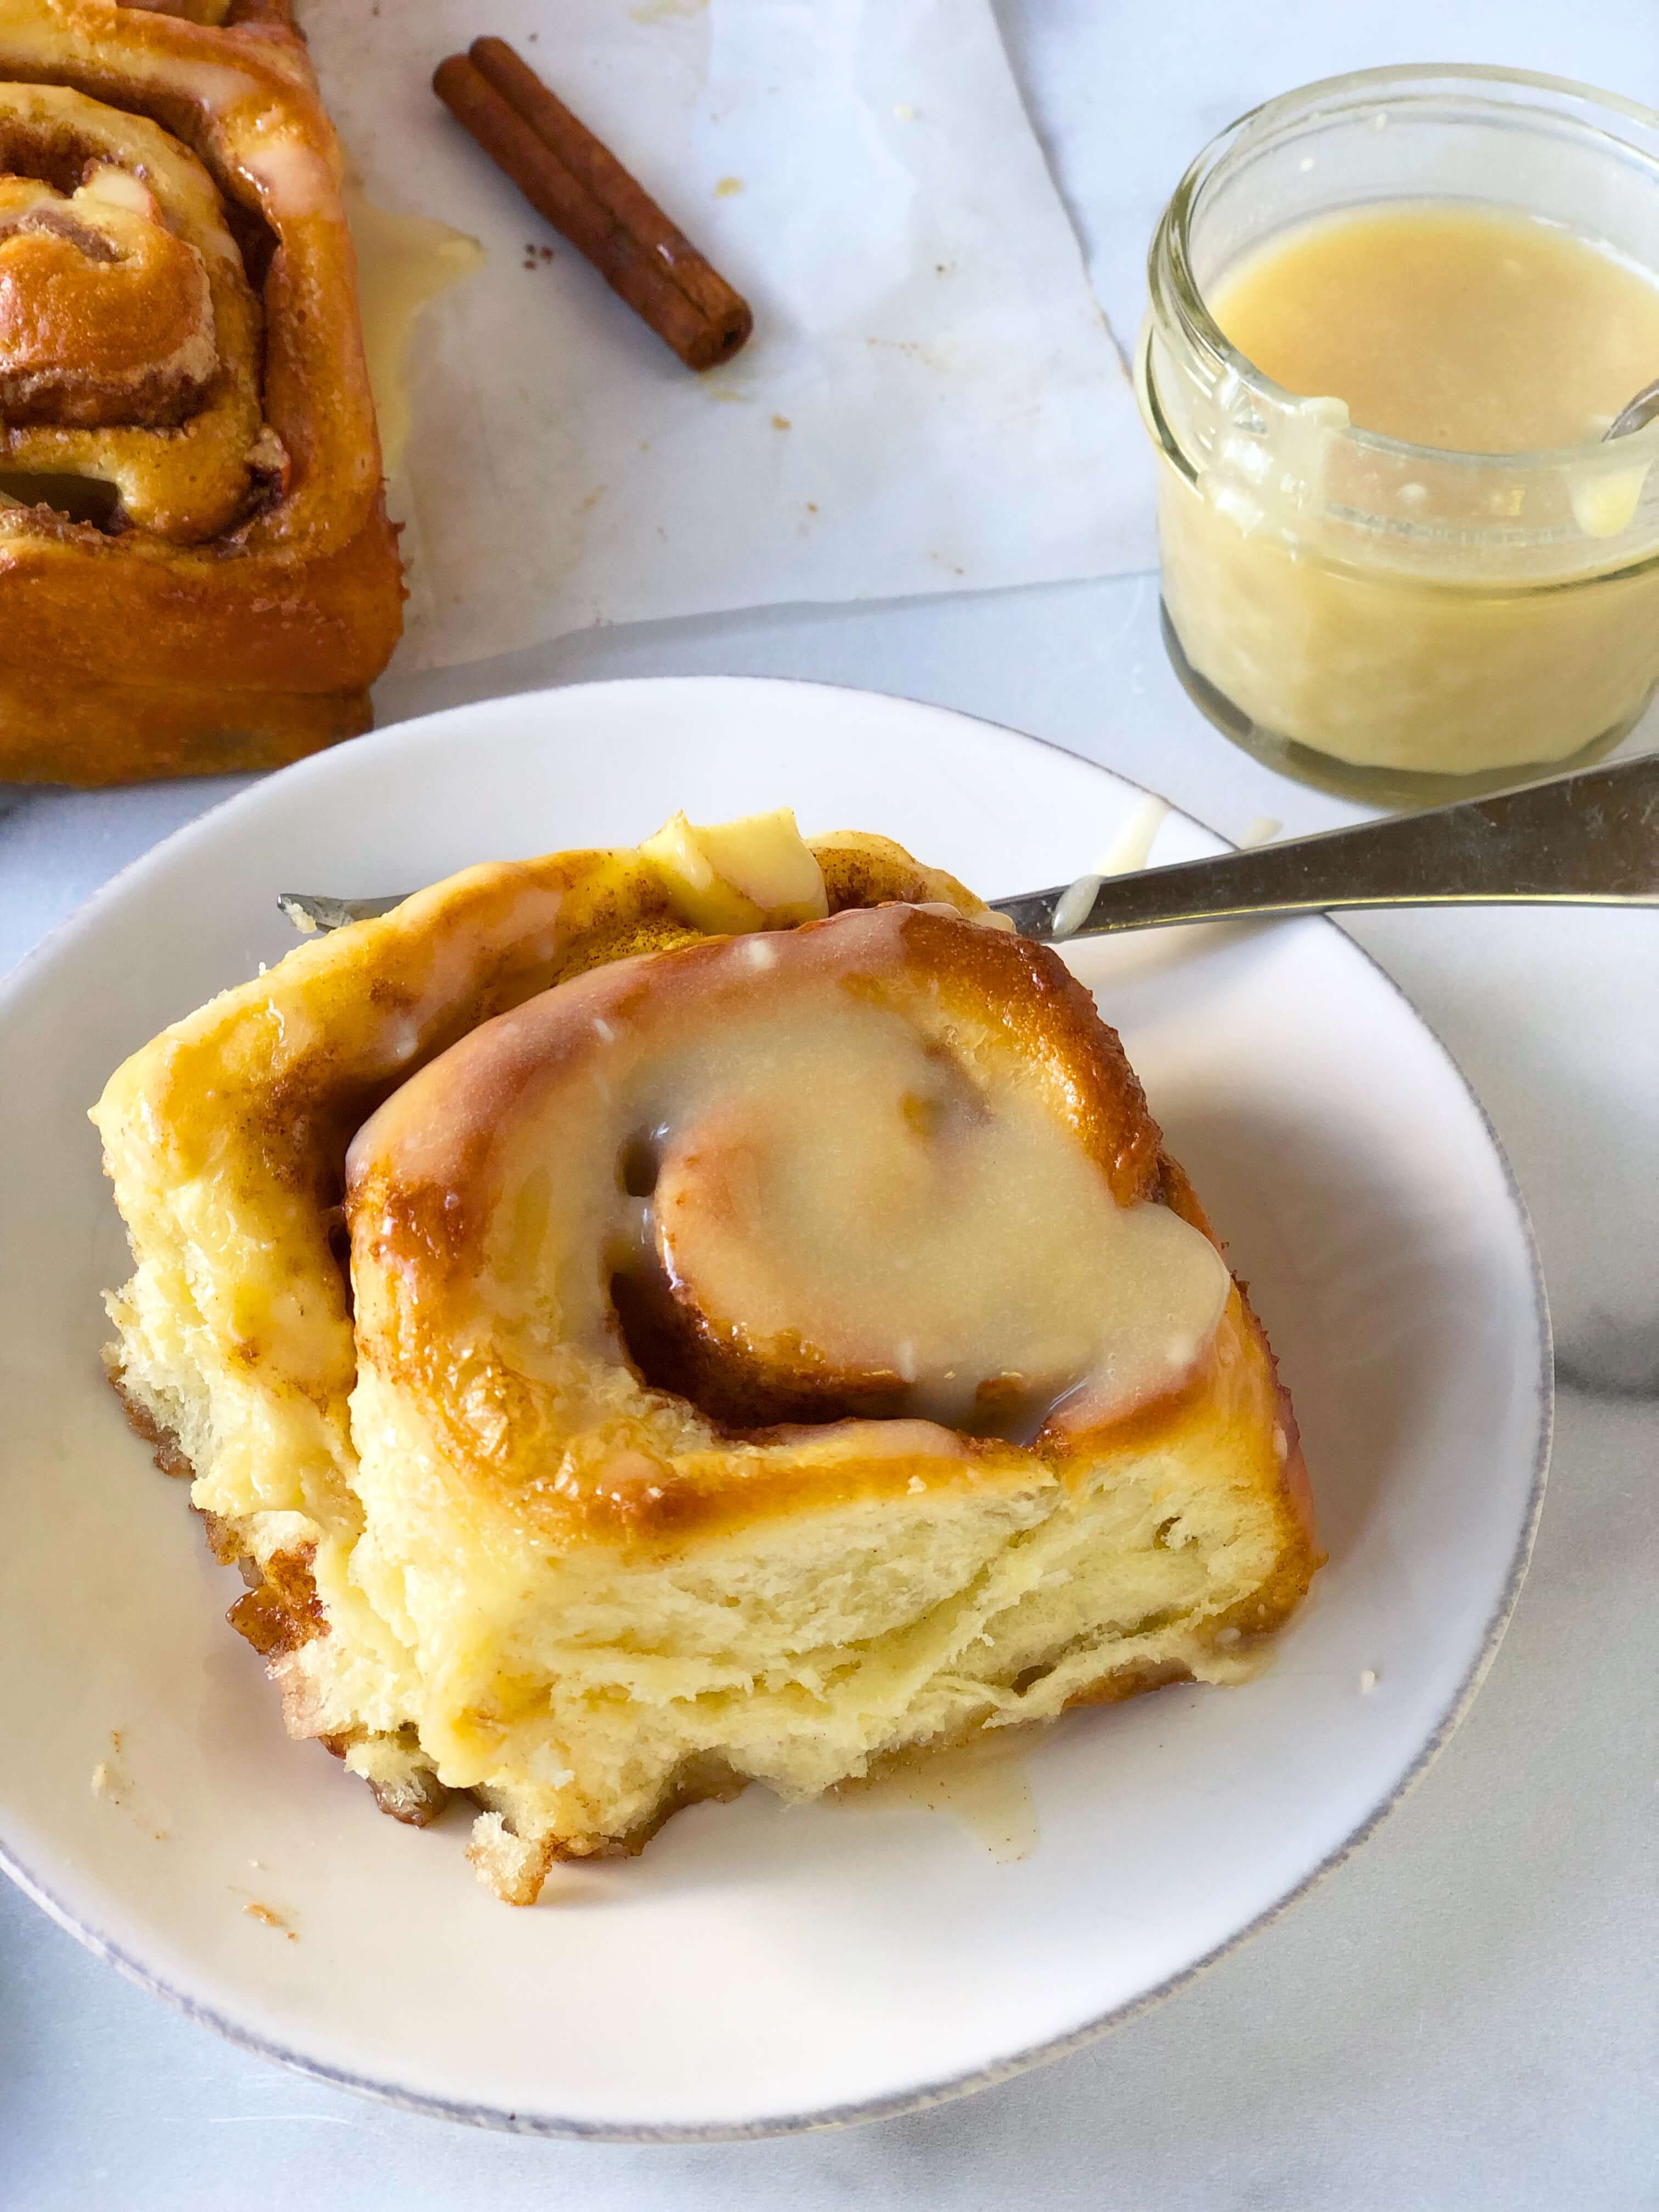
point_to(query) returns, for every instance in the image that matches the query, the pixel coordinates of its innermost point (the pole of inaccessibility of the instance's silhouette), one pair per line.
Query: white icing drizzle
(1130, 850)
(819, 1175)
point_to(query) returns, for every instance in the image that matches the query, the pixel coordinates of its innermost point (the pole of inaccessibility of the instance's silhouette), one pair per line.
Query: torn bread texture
(585, 1636)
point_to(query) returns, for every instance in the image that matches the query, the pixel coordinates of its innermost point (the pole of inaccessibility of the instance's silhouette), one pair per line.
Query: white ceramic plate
(758, 1969)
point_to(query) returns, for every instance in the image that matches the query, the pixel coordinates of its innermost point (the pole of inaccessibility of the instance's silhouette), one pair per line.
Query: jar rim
(1175, 289)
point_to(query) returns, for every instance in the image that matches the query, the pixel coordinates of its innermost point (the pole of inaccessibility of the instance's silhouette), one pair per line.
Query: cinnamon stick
(585, 192)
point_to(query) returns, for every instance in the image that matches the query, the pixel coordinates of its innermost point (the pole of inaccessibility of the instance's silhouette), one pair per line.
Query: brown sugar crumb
(109, 1776)
(268, 1918)
(781, 423)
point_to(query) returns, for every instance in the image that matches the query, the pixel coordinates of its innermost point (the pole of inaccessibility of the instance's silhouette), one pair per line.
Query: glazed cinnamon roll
(650, 1320)
(197, 571)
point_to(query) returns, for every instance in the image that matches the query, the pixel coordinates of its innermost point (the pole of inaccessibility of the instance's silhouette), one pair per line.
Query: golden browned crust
(1178, 1193)
(249, 590)
(285, 1611)
(164, 1443)
(281, 1609)
(862, 869)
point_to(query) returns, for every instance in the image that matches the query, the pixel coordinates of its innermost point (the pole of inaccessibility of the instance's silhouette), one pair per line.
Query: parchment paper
(931, 402)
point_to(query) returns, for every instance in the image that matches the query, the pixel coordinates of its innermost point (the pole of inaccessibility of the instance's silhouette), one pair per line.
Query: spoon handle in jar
(1591, 838)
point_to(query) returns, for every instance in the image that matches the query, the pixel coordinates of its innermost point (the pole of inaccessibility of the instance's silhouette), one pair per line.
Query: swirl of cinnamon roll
(125, 312)
(774, 1338)
(100, 262)
(196, 566)
(886, 1165)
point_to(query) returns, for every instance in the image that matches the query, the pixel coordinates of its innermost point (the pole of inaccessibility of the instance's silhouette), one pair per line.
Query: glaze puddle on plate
(983, 1784)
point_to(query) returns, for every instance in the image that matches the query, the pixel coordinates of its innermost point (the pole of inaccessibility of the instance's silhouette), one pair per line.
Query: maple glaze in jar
(1391, 318)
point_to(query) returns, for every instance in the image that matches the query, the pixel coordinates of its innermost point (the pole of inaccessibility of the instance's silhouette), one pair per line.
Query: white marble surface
(1464, 2015)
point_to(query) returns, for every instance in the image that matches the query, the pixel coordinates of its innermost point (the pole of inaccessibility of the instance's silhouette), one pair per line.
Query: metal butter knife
(1588, 839)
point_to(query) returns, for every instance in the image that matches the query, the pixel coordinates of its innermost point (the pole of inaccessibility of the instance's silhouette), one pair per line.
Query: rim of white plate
(85, 919)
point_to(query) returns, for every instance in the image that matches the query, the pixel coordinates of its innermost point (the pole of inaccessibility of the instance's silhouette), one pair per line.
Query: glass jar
(1399, 623)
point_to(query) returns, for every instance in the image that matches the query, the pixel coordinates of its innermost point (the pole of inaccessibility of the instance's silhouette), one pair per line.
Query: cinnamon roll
(196, 570)
(649, 1321)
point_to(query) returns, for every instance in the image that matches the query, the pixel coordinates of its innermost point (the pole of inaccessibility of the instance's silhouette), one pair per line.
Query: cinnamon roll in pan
(196, 570)
(651, 1320)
